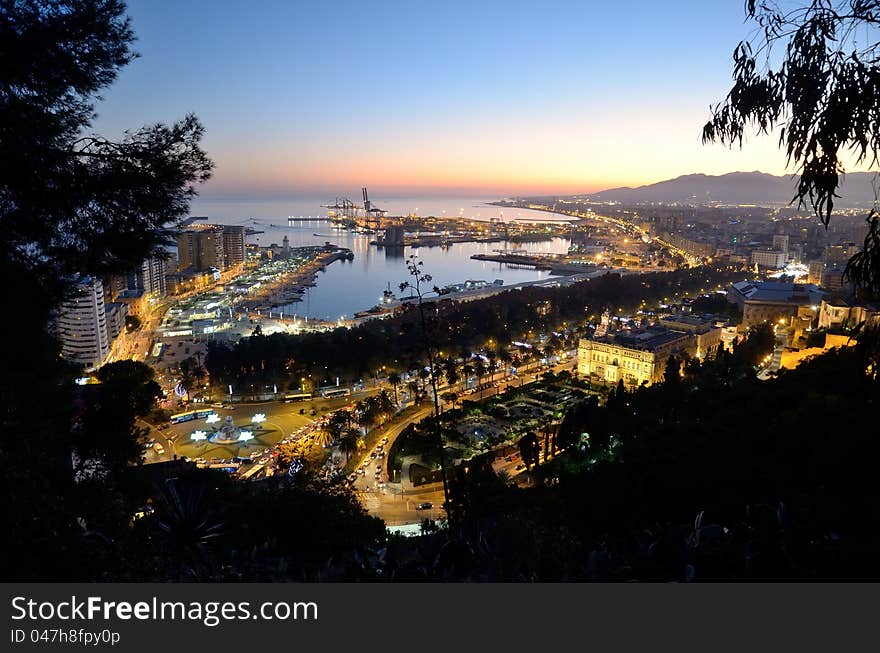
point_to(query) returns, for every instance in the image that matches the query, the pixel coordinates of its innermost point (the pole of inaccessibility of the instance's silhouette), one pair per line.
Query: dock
(551, 265)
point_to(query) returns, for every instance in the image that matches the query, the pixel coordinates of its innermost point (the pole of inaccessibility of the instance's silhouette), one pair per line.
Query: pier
(538, 263)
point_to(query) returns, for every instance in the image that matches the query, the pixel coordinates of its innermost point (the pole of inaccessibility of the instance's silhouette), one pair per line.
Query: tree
(131, 381)
(529, 449)
(820, 92)
(71, 203)
(450, 398)
(419, 280)
(348, 445)
(394, 379)
(672, 371)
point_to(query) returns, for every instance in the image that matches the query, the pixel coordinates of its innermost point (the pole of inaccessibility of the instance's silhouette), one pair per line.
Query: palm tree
(348, 445)
(413, 387)
(450, 398)
(467, 369)
(394, 379)
(324, 438)
(493, 364)
(480, 370)
(450, 370)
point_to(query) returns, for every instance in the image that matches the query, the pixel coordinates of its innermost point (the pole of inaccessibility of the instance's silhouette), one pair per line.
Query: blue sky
(481, 96)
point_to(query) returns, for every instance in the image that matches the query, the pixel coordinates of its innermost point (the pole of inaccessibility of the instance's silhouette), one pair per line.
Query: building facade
(788, 304)
(707, 330)
(200, 248)
(837, 312)
(81, 324)
(769, 258)
(233, 246)
(634, 358)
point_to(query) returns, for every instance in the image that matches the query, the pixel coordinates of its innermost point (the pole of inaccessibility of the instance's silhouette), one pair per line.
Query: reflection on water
(349, 286)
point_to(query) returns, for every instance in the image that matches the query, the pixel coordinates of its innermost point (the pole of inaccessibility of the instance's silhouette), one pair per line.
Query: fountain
(229, 433)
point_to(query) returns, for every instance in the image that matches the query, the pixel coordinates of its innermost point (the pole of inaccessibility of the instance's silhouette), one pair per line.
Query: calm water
(346, 287)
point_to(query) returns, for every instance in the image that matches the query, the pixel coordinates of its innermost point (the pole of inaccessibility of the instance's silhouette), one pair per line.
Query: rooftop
(645, 339)
(780, 292)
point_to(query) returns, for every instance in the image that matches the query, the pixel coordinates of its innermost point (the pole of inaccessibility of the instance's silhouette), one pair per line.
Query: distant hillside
(734, 188)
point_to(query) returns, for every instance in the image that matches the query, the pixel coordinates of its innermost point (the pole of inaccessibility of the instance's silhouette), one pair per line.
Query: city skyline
(300, 100)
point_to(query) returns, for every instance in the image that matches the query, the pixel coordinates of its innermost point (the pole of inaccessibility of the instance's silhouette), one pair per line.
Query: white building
(81, 324)
(769, 258)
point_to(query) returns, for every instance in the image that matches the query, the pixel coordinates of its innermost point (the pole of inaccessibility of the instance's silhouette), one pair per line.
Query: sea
(346, 287)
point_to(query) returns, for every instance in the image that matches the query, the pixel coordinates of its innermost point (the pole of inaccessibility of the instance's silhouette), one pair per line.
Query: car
(385, 440)
(373, 455)
(380, 485)
(381, 454)
(159, 449)
(362, 471)
(425, 505)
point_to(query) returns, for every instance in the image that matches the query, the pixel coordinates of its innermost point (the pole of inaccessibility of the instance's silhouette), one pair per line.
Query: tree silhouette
(418, 285)
(72, 203)
(394, 379)
(672, 371)
(529, 449)
(812, 72)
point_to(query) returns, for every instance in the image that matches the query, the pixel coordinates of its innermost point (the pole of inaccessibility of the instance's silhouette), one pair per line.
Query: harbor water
(346, 287)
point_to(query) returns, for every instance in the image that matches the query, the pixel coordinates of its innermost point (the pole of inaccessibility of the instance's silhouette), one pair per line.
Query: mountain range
(735, 188)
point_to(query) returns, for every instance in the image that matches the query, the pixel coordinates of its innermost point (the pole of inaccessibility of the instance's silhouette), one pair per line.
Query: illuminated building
(116, 314)
(200, 247)
(706, 329)
(81, 324)
(840, 254)
(635, 357)
(234, 246)
(816, 268)
(769, 258)
(836, 311)
(791, 304)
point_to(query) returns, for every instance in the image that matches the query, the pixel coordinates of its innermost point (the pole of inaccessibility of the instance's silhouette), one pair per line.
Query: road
(282, 420)
(396, 503)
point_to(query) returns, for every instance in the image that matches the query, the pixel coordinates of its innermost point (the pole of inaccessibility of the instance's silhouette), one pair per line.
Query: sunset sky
(477, 97)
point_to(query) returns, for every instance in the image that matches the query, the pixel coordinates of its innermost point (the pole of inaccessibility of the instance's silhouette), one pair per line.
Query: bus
(303, 396)
(341, 392)
(190, 415)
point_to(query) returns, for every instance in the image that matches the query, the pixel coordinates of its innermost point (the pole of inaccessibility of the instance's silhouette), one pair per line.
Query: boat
(376, 311)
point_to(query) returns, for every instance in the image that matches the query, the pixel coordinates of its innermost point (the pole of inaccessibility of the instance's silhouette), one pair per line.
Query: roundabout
(223, 438)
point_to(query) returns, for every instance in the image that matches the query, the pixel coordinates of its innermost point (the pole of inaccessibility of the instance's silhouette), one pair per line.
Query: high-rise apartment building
(200, 247)
(233, 246)
(150, 277)
(81, 324)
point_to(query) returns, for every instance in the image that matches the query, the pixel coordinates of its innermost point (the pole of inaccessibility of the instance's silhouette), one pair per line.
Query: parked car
(426, 505)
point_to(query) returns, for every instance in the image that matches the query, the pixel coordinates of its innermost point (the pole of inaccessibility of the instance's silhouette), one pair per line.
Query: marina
(354, 286)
